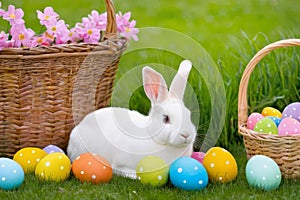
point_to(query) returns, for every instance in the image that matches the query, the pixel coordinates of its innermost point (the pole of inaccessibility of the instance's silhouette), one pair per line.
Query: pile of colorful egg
(189, 173)
(272, 121)
(52, 164)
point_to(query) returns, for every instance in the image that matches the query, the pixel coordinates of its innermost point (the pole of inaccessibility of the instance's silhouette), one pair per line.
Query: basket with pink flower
(50, 81)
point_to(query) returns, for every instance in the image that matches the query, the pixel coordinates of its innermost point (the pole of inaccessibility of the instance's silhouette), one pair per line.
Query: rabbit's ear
(154, 85)
(178, 84)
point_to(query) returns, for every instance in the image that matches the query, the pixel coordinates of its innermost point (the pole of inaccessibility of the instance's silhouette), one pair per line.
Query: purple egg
(53, 149)
(292, 110)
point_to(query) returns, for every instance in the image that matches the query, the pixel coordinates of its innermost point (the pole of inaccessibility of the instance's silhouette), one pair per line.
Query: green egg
(152, 170)
(266, 125)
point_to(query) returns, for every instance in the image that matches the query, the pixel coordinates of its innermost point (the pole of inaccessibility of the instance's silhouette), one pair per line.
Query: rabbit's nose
(184, 135)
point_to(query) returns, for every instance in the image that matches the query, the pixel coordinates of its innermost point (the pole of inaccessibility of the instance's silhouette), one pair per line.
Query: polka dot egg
(292, 110)
(266, 125)
(11, 174)
(52, 149)
(152, 170)
(253, 119)
(220, 165)
(198, 156)
(29, 157)
(54, 167)
(188, 174)
(92, 168)
(289, 126)
(269, 111)
(262, 172)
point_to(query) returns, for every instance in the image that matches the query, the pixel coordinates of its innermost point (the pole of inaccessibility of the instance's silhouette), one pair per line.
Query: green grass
(122, 188)
(231, 31)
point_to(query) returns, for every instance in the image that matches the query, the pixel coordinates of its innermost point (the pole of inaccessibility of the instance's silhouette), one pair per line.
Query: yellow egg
(269, 111)
(54, 167)
(29, 157)
(220, 165)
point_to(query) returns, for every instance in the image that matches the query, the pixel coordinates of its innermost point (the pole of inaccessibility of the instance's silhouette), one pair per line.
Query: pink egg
(289, 126)
(253, 119)
(198, 156)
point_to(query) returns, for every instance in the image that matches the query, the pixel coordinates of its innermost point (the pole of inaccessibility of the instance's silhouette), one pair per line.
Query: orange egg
(89, 167)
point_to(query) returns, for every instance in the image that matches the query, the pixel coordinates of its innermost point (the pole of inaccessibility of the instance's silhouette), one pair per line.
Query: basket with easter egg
(271, 132)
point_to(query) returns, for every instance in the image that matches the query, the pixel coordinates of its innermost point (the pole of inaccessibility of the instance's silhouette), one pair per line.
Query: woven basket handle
(242, 98)
(111, 27)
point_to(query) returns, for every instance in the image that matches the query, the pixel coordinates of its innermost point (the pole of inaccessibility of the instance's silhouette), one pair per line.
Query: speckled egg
(289, 126)
(198, 156)
(152, 170)
(262, 172)
(292, 110)
(54, 167)
(188, 174)
(266, 125)
(52, 149)
(276, 120)
(29, 157)
(11, 174)
(220, 165)
(89, 167)
(269, 111)
(253, 119)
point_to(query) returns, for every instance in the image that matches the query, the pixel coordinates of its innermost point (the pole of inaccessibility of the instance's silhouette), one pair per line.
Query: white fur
(124, 137)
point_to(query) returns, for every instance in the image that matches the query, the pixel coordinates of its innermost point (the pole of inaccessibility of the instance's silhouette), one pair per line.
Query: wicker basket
(45, 91)
(285, 150)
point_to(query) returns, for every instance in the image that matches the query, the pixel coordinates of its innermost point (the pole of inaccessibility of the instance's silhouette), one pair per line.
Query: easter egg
(266, 125)
(92, 168)
(263, 172)
(220, 165)
(253, 119)
(292, 110)
(152, 170)
(53, 167)
(188, 174)
(52, 149)
(289, 126)
(198, 156)
(275, 119)
(269, 111)
(11, 174)
(29, 157)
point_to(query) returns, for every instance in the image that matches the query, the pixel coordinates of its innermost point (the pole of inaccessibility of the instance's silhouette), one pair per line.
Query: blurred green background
(231, 31)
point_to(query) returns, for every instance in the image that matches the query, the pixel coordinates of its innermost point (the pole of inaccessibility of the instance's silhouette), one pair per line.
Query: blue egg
(263, 172)
(11, 174)
(188, 174)
(276, 120)
(53, 149)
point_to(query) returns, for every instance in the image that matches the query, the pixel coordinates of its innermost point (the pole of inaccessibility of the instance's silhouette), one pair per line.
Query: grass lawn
(231, 31)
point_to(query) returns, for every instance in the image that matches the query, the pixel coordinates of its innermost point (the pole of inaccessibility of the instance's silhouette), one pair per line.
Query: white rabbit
(124, 137)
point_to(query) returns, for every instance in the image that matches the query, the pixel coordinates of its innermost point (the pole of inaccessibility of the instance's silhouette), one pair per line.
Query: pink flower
(3, 39)
(40, 41)
(1, 10)
(74, 35)
(125, 27)
(14, 16)
(21, 35)
(100, 20)
(55, 28)
(48, 17)
(89, 33)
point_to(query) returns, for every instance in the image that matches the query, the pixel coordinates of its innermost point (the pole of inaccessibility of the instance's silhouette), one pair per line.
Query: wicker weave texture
(46, 91)
(285, 150)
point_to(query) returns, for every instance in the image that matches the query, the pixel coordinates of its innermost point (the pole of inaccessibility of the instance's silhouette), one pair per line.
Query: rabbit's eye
(166, 119)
